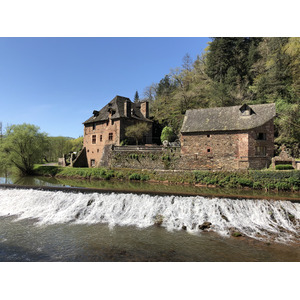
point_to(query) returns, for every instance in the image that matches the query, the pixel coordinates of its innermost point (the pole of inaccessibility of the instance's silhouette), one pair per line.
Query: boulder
(205, 225)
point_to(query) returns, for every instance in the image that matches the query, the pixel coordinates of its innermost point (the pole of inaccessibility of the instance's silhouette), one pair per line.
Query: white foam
(254, 218)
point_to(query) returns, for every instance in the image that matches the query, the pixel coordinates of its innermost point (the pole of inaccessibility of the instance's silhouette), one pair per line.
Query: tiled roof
(117, 106)
(227, 118)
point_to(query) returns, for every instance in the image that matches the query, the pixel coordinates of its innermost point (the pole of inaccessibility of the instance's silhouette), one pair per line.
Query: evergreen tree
(136, 97)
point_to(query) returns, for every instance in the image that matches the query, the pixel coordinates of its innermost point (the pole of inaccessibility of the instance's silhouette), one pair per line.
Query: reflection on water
(144, 187)
(23, 241)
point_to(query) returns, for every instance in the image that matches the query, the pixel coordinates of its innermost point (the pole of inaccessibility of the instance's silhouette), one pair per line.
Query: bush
(284, 167)
(135, 176)
(167, 134)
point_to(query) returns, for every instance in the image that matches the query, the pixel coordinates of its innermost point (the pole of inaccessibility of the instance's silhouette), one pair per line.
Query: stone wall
(157, 158)
(95, 151)
(208, 151)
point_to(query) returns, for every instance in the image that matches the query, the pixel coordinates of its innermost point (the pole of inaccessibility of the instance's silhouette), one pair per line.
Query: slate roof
(227, 118)
(117, 105)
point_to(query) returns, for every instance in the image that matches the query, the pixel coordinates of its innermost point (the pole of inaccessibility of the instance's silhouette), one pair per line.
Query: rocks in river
(205, 225)
(90, 202)
(225, 218)
(158, 220)
(234, 232)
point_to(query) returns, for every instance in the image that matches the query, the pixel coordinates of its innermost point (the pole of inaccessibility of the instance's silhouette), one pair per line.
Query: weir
(260, 219)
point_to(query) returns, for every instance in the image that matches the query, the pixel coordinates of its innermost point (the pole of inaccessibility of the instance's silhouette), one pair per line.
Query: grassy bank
(268, 180)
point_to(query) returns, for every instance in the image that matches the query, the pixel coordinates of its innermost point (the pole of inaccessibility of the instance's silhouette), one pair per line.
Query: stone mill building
(226, 138)
(221, 138)
(106, 127)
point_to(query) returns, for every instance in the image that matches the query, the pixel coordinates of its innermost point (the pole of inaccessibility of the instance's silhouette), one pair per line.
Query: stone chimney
(127, 108)
(145, 108)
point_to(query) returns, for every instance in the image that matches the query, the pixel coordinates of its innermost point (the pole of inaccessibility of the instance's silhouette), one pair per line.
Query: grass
(287, 180)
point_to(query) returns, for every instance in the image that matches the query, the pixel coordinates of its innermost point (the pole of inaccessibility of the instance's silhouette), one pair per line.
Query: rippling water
(58, 226)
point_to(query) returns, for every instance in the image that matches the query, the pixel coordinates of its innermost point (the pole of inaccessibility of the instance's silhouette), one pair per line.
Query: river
(41, 225)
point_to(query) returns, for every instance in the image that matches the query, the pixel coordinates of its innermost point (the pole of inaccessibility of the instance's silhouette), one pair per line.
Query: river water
(38, 225)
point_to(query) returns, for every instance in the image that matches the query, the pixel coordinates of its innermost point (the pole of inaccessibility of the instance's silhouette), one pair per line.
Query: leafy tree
(23, 146)
(136, 97)
(167, 134)
(137, 131)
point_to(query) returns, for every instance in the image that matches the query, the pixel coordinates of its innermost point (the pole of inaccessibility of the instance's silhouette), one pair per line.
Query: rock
(183, 227)
(90, 202)
(225, 218)
(236, 234)
(205, 225)
(158, 220)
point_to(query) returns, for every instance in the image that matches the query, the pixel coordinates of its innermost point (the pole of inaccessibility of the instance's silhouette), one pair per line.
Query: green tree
(23, 146)
(167, 134)
(137, 131)
(136, 97)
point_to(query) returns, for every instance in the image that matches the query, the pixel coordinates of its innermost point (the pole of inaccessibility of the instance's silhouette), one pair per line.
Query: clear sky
(56, 83)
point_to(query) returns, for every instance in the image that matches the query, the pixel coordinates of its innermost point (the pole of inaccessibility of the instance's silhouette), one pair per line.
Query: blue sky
(56, 83)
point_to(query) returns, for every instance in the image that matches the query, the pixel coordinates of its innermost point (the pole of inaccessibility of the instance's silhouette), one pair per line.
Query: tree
(23, 146)
(137, 131)
(167, 134)
(136, 97)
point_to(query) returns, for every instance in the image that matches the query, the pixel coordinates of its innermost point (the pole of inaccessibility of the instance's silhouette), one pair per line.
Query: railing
(138, 148)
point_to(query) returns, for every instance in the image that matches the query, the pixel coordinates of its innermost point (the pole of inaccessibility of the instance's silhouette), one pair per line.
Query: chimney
(127, 108)
(145, 109)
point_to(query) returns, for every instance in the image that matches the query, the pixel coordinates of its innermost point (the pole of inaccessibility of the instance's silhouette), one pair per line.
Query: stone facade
(228, 150)
(240, 138)
(107, 127)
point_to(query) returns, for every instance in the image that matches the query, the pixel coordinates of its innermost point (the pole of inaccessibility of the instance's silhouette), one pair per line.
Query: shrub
(167, 134)
(135, 176)
(284, 167)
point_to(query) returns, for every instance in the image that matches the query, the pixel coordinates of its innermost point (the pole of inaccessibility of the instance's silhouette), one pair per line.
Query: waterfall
(259, 219)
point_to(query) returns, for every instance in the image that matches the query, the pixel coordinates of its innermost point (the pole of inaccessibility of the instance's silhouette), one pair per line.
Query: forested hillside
(233, 71)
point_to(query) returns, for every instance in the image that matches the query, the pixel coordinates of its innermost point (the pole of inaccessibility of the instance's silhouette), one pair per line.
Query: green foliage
(235, 70)
(137, 131)
(136, 97)
(23, 146)
(133, 156)
(135, 176)
(284, 167)
(167, 134)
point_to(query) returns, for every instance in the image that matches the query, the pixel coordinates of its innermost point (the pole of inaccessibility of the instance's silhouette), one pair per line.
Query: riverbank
(288, 180)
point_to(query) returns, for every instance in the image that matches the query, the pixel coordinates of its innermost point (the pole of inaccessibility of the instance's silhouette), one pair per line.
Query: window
(97, 150)
(208, 135)
(101, 138)
(260, 151)
(110, 136)
(112, 122)
(208, 150)
(94, 126)
(93, 163)
(261, 136)
(94, 139)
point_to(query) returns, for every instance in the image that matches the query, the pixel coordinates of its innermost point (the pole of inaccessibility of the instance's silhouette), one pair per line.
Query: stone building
(107, 127)
(228, 138)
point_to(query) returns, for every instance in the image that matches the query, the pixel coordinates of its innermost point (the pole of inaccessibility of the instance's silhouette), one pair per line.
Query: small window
(107, 122)
(208, 150)
(260, 151)
(93, 163)
(208, 135)
(101, 138)
(94, 139)
(97, 150)
(110, 136)
(94, 126)
(112, 122)
(261, 136)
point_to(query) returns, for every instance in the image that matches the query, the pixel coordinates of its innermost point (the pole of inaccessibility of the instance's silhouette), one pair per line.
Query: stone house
(228, 138)
(107, 126)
